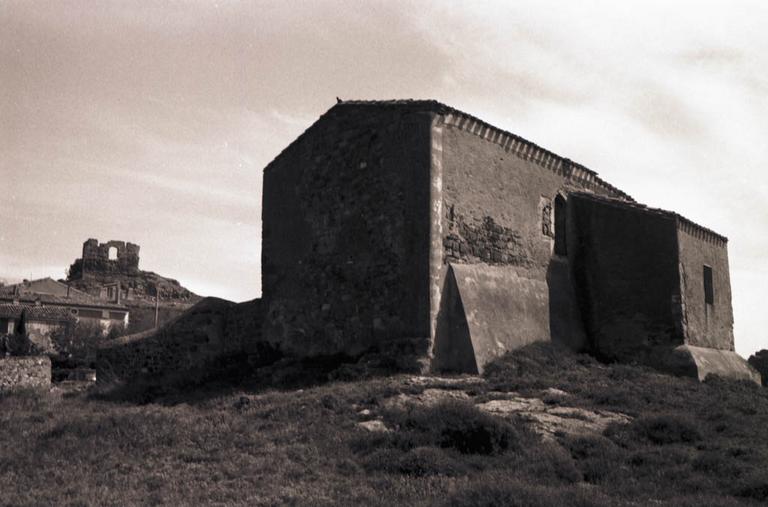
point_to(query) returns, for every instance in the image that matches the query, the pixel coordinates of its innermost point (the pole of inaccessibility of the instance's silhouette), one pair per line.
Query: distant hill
(140, 287)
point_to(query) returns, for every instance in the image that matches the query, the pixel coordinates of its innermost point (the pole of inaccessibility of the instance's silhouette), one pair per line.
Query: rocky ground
(541, 427)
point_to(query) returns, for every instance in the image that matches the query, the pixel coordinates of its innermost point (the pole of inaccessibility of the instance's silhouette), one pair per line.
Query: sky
(152, 121)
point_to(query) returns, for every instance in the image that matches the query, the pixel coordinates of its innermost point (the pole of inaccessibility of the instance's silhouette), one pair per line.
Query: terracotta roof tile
(35, 312)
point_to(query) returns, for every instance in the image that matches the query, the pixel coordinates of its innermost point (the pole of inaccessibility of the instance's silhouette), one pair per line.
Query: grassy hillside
(422, 441)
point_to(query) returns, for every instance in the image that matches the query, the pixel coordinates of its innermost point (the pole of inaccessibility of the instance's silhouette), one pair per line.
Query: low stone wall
(25, 372)
(210, 330)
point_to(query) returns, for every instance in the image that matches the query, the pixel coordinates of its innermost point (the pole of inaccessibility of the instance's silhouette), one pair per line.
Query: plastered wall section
(345, 251)
(706, 325)
(625, 264)
(491, 200)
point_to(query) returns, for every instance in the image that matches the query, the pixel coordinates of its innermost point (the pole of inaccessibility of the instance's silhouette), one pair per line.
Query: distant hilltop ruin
(111, 257)
(105, 266)
(110, 272)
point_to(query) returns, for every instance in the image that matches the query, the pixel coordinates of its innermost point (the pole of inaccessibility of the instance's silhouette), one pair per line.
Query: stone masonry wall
(210, 330)
(346, 234)
(497, 199)
(25, 372)
(706, 325)
(497, 203)
(96, 259)
(626, 266)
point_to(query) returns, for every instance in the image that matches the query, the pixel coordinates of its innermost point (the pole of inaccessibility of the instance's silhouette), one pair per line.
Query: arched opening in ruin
(560, 213)
(112, 253)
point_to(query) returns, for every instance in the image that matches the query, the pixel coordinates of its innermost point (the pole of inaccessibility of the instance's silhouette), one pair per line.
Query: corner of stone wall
(436, 268)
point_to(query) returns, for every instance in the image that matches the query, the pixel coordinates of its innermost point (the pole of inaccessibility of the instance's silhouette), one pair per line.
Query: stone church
(417, 230)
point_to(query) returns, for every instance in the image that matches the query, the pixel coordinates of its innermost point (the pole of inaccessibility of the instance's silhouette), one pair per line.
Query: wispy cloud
(152, 121)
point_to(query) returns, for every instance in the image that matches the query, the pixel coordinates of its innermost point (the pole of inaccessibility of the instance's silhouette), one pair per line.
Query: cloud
(152, 121)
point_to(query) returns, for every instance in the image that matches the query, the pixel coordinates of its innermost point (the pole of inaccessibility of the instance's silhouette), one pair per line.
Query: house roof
(684, 223)
(36, 312)
(51, 292)
(509, 141)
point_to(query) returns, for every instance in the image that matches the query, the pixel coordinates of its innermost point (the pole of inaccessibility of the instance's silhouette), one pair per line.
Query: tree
(18, 343)
(759, 361)
(77, 344)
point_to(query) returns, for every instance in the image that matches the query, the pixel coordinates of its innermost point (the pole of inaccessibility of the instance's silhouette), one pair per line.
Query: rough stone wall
(346, 234)
(96, 259)
(625, 262)
(210, 330)
(497, 196)
(706, 325)
(25, 372)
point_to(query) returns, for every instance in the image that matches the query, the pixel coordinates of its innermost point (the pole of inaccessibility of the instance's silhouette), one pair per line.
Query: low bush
(17, 344)
(457, 425)
(417, 462)
(658, 429)
(596, 457)
(753, 486)
(495, 491)
(667, 429)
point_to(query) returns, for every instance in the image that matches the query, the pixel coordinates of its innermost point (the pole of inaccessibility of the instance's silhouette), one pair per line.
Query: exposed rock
(374, 425)
(549, 420)
(428, 397)
(547, 415)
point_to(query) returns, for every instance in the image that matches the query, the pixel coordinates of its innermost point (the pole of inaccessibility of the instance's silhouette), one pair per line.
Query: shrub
(418, 462)
(754, 486)
(17, 344)
(666, 429)
(455, 424)
(759, 361)
(596, 456)
(496, 491)
(76, 345)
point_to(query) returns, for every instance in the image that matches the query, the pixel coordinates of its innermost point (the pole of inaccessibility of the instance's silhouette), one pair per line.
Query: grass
(249, 442)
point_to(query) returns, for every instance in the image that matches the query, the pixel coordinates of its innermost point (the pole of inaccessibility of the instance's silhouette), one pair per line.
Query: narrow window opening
(709, 292)
(546, 217)
(112, 253)
(560, 247)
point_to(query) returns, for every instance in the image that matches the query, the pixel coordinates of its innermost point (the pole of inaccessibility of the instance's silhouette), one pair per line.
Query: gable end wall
(346, 235)
(705, 325)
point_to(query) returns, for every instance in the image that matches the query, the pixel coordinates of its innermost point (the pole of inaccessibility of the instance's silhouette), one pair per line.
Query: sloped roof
(25, 292)
(512, 142)
(45, 285)
(684, 223)
(36, 312)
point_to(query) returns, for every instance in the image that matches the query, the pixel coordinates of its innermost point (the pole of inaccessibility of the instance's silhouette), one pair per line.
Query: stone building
(420, 231)
(109, 257)
(55, 299)
(40, 322)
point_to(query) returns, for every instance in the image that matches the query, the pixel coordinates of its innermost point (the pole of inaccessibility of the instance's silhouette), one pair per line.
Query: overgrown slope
(400, 440)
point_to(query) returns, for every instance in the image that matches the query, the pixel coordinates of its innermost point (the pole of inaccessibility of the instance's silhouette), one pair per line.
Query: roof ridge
(687, 224)
(522, 147)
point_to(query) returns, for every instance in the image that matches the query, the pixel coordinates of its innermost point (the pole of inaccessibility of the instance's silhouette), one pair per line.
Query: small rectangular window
(709, 293)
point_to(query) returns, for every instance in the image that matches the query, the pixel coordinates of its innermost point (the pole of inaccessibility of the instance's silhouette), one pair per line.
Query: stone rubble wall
(25, 372)
(210, 330)
(346, 234)
(626, 266)
(705, 325)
